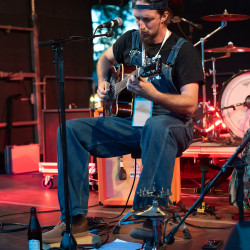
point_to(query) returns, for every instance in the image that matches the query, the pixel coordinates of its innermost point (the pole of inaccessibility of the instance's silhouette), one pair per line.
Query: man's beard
(148, 39)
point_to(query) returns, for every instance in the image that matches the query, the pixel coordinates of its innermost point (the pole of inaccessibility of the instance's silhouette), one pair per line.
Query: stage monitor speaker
(239, 237)
(50, 125)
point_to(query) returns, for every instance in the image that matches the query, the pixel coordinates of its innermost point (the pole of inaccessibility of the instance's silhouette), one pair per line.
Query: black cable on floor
(191, 225)
(41, 212)
(21, 228)
(111, 218)
(49, 211)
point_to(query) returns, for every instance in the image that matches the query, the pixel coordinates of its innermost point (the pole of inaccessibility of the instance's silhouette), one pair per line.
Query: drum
(235, 114)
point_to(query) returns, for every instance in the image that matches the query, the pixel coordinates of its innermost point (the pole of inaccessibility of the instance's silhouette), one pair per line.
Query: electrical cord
(41, 212)
(38, 212)
(201, 227)
(110, 218)
(22, 227)
(192, 225)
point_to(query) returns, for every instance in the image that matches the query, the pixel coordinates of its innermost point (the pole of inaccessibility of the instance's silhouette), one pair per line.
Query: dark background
(235, 31)
(62, 18)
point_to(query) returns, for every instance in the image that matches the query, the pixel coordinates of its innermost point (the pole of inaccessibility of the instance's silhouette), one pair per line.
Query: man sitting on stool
(165, 135)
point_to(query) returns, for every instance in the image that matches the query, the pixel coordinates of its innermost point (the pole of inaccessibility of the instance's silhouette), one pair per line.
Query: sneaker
(55, 235)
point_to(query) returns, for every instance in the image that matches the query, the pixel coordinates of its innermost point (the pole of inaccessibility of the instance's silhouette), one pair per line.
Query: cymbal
(226, 17)
(228, 49)
(155, 211)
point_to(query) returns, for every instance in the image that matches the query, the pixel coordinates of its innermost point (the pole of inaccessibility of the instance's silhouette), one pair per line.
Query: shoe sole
(57, 240)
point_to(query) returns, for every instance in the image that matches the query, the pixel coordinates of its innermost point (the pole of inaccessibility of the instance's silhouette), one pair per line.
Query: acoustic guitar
(120, 101)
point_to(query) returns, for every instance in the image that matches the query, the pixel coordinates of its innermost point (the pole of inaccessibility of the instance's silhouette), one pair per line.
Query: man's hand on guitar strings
(141, 87)
(103, 91)
(133, 84)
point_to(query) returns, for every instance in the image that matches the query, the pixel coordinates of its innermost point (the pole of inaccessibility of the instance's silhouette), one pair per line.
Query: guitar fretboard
(120, 86)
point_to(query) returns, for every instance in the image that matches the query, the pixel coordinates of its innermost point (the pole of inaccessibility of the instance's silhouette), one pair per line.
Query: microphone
(116, 22)
(196, 25)
(177, 19)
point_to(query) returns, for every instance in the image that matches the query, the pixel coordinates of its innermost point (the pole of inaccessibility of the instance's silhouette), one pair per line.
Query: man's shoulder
(174, 38)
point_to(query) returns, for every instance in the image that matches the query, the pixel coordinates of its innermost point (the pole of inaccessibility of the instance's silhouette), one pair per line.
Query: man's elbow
(190, 110)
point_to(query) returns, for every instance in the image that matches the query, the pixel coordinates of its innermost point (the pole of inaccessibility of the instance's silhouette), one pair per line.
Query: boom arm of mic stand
(169, 239)
(59, 41)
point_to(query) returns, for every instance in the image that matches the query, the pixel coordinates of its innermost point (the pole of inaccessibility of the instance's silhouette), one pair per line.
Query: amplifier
(114, 190)
(50, 125)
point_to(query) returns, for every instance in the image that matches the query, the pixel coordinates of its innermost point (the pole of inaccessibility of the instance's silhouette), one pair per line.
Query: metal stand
(204, 98)
(68, 242)
(233, 161)
(153, 237)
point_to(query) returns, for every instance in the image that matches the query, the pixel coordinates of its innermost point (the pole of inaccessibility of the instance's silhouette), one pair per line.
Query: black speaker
(239, 237)
(50, 125)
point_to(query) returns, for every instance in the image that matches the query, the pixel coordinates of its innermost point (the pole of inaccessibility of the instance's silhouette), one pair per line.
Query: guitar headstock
(152, 69)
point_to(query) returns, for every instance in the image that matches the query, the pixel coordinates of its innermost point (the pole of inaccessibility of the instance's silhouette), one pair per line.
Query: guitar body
(120, 101)
(122, 104)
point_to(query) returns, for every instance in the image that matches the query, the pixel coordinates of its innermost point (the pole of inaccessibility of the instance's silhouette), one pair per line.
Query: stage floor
(19, 192)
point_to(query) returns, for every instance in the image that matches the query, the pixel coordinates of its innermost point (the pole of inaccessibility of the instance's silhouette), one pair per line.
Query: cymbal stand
(202, 40)
(216, 120)
(213, 59)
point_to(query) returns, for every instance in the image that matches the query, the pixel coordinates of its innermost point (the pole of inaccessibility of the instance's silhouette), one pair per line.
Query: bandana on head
(153, 5)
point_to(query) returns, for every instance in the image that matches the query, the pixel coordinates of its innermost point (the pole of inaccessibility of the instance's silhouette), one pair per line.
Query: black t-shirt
(187, 67)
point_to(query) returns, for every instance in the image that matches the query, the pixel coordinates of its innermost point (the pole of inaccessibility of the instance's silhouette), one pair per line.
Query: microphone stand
(68, 242)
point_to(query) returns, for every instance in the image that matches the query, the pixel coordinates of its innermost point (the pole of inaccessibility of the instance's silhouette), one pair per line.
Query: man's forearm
(184, 103)
(104, 64)
(102, 69)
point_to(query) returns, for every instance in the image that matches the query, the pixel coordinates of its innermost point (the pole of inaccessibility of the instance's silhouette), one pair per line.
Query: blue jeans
(161, 139)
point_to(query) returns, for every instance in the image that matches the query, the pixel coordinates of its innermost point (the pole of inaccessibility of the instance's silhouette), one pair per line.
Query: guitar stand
(233, 161)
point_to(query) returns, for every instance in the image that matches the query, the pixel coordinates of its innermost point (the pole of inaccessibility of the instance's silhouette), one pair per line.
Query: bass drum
(234, 94)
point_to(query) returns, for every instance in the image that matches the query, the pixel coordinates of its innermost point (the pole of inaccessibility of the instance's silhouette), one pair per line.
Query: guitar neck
(120, 86)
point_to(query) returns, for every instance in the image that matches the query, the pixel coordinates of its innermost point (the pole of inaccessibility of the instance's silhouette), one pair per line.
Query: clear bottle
(34, 231)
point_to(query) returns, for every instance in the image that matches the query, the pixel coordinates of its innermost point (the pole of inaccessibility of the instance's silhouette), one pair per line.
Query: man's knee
(155, 126)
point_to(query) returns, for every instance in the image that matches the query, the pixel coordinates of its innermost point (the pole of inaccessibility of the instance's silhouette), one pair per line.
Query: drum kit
(231, 113)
